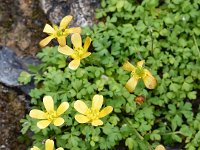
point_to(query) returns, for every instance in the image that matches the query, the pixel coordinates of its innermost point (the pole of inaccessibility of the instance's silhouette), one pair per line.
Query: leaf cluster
(163, 33)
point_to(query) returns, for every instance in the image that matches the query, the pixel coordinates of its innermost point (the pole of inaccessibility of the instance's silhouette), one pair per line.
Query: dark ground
(21, 25)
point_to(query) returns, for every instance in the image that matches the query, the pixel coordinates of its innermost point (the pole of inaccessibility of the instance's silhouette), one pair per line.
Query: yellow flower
(137, 73)
(93, 114)
(60, 33)
(160, 147)
(49, 145)
(50, 115)
(79, 52)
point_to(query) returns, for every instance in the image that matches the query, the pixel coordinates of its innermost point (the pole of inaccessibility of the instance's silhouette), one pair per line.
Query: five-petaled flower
(137, 73)
(79, 52)
(60, 33)
(49, 145)
(93, 114)
(50, 115)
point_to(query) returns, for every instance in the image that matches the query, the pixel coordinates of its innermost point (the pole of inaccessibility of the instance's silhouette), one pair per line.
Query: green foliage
(24, 77)
(163, 33)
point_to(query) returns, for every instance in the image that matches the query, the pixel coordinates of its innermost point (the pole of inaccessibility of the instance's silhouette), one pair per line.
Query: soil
(12, 109)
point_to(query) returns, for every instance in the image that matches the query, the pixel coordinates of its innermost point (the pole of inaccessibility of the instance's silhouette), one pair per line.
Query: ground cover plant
(135, 86)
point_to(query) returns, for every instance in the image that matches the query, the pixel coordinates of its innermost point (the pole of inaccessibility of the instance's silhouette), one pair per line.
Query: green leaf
(140, 26)
(152, 3)
(192, 95)
(119, 5)
(114, 120)
(174, 87)
(186, 130)
(164, 32)
(24, 77)
(156, 101)
(155, 135)
(92, 143)
(177, 138)
(74, 140)
(186, 86)
(177, 1)
(170, 95)
(26, 124)
(189, 79)
(130, 143)
(176, 121)
(168, 20)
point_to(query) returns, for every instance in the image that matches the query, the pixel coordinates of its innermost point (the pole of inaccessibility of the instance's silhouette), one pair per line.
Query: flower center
(59, 33)
(79, 51)
(93, 114)
(139, 72)
(51, 115)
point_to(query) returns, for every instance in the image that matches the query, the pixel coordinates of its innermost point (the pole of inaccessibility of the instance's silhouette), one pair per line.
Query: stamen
(51, 115)
(93, 114)
(79, 51)
(139, 71)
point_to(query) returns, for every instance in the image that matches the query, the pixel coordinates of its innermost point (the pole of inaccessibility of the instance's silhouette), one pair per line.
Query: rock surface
(82, 10)
(11, 66)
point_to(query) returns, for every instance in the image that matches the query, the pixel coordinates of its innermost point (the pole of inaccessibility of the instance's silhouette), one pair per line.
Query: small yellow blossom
(79, 52)
(60, 33)
(50, 115)
(92, 115)
(49, 145)
(160, 147)
(137, 73)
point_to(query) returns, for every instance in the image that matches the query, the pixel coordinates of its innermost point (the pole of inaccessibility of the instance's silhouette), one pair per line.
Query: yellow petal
(48, 29)
(85, 55)
(87, 43)
(81, 118)
(140, 63)
(35, 148)
(131, 84)
(80, 106)
(43, 124)
(76, 40)
(97, 122)
(48, 103)
(65, 21)
(149, 81)
(128, 66)
(74, 64)
(66, 50)
(61, 40)
(62, 108)
(49, 144)
(160, 147)
(46, 41)
(38, 114)
(58, 121)
(105, 111)
(97, 102)
(60, 148)
(74, 30)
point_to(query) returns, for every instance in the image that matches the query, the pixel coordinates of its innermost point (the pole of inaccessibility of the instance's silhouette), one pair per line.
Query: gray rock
(11, 66)
(83, 11)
